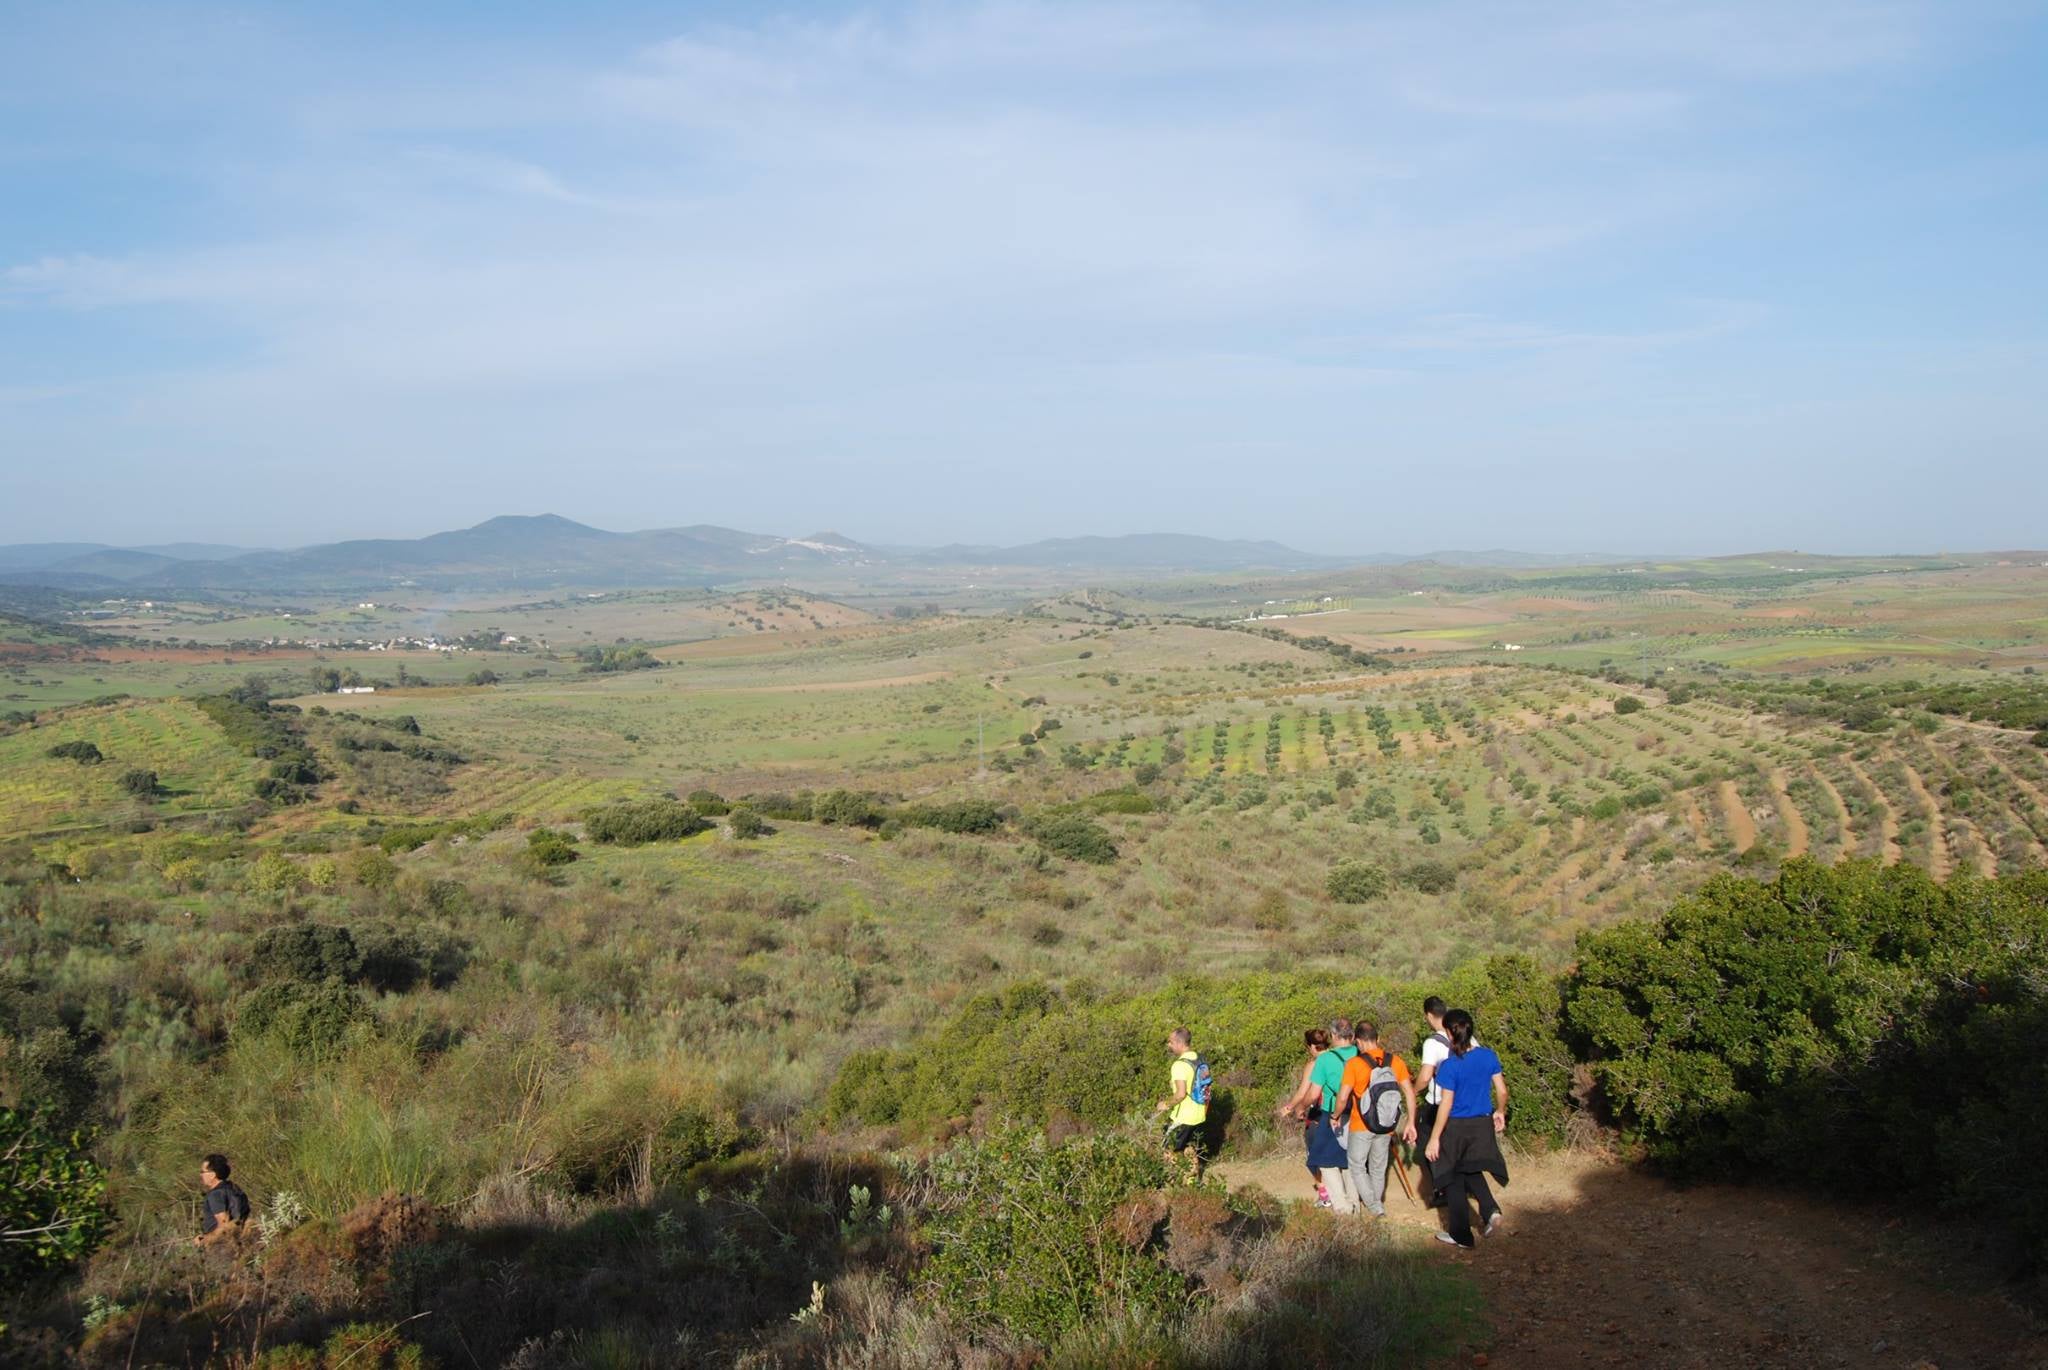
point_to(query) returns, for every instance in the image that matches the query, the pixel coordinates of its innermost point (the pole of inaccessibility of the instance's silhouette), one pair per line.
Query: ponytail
(1458, 1027)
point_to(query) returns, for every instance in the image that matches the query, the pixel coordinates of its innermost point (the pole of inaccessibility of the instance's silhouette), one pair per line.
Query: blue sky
(1691, 277)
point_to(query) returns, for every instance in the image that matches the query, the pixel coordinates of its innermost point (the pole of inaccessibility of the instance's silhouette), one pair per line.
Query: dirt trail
(2040, 801)
(1887, 820)
(1603, 1264)
(1741, 827)
(1695, 820)
(1827, 787)
(1968, 839)
(1788, 813)
(1939, 860)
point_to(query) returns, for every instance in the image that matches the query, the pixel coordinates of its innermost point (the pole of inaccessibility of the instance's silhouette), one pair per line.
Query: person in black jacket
(227, 1207)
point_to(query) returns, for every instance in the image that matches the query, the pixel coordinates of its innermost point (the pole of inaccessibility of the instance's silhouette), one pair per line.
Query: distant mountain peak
(533, 523)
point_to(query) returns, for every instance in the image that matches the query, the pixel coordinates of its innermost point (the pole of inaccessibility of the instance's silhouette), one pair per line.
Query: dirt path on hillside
(1788, 813)
(1603, 1264)
(1827, 787)
(1741, 826)
(1939, 859)
(1887, 820)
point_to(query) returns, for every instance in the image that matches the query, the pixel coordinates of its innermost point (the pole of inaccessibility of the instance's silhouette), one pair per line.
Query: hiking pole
(1401, 1173)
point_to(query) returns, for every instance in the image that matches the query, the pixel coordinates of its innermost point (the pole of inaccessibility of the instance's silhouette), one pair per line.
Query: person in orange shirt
(1377, 1100)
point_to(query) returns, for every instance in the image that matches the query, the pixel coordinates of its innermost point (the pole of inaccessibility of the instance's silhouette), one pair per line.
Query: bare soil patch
(1887, 820)
(1741, 827)
(1600, 1263)
(1788, 813)
(1939, 859)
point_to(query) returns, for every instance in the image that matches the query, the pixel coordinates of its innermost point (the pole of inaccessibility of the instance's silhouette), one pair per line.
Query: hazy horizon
(1613, 553)
(1681, 280)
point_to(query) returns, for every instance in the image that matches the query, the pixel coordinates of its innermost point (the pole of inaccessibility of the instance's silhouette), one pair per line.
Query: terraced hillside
(197, 770)
(1513, 805)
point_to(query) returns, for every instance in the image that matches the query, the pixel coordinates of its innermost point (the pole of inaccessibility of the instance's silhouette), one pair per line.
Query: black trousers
(1459, 1187)
(1425, 1121)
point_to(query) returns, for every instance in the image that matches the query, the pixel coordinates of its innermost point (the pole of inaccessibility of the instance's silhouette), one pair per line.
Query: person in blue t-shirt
(1464, 1146)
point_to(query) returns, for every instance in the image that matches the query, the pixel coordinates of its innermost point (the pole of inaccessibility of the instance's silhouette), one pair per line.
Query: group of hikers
(1357, 1099)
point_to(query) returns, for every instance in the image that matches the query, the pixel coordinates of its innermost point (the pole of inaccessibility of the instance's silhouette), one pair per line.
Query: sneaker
(1493, 1224)
(1322, 1203)
(1448, 1240)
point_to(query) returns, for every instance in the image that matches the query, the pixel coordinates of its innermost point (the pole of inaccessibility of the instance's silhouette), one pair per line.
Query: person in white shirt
(1436, 1049)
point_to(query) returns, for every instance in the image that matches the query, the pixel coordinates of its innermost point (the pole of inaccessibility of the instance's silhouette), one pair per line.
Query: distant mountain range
(547, 549)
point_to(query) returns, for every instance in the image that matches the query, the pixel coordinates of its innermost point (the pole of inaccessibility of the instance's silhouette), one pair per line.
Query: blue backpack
(1202, 1085)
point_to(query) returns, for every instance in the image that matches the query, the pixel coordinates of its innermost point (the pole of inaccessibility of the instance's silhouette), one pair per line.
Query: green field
(1095, 797)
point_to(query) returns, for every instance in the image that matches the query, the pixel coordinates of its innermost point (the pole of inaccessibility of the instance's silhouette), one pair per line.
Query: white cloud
(952, 234)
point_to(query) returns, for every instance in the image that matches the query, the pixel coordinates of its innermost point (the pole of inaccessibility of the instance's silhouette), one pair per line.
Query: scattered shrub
(1357, 882)
(1073, 836)
(632, 823)
(549, 847)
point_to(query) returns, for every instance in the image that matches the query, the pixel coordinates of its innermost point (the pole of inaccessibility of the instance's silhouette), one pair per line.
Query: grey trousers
(1368, 1173)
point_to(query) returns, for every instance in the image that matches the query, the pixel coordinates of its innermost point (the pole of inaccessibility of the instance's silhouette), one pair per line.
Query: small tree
(372, 869)
(1628, 704)
(140, 783)
(275, 875)
(745, 823)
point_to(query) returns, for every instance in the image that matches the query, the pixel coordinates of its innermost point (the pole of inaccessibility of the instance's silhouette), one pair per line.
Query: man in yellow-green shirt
(1187, 1108)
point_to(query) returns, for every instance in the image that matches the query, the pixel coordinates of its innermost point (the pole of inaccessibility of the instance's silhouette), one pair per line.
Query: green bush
(745, 823)
(1031, 1051)
(550, 847)
(1430, 877)
(1074, 836)
(963, 816)
(316, 1022)
(846, 808)
(633, 823)
(305, 951)
(1628, 704)
(1020, 1233)
(52, 1193)
(1833, 1013)
(84, 753)
(1357, 882)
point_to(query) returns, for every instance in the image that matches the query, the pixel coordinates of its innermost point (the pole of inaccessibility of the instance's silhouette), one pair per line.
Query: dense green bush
(84, 753)
(609, 660)
(632, 823)
(1431, 877)
(1831, 1015)
(1357, 882)
(305, 951)
(1072, 835)
(847, 808)
(316, 1022)
(963, 816)
(1019, 1232)
(1030, 1051)
(548, 847)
